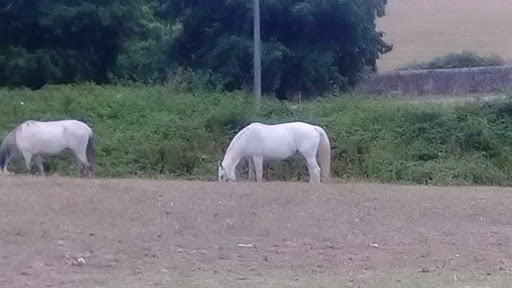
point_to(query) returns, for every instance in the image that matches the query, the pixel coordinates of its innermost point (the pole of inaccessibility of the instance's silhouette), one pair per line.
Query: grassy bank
(154, 131)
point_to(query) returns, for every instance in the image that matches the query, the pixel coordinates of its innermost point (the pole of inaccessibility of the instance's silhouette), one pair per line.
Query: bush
(156, 131)
(461, 59)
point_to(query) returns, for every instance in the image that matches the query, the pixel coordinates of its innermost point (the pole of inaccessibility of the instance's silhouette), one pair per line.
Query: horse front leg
(251, 169)
(258, 166)
(28, 160)
(39, 162)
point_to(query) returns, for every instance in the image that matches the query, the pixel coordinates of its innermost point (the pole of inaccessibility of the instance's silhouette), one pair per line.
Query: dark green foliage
(75, 41)
(312, 46)
(429, 132)
(461, 59)
(308, 45)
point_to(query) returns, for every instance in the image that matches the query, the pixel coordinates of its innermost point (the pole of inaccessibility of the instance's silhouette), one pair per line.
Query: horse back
(52, 136)
(277, 141)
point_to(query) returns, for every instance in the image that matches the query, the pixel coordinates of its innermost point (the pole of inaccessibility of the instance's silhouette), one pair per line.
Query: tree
(307, 45)
(54, 41)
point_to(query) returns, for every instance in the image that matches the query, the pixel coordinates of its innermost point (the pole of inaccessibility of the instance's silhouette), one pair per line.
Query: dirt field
(143, 233)
(421, 30)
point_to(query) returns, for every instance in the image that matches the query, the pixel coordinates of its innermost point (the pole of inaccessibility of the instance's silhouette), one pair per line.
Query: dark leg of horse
(79, 165)
(85, 169)
(89, 171)
(251, 169)
(81, 168)
(39, 162)
(83, 165)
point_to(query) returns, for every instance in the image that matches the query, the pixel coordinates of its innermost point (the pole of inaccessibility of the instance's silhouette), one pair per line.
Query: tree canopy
(307, 45)
(53, 41)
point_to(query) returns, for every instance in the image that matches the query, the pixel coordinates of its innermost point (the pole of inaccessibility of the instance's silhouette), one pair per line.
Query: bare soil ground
(421, 30)
(64, 232)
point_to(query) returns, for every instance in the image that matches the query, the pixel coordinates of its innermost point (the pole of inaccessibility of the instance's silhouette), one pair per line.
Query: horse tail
(324, 153)
(89, 151)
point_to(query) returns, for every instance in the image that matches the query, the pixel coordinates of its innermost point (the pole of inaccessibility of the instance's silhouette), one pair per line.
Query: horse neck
(234, 152)
(231, 158)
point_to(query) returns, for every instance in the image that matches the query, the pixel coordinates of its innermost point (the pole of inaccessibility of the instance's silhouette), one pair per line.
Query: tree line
(309, 45)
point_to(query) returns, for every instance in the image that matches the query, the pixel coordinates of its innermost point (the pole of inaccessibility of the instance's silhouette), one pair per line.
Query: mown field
(158, 131)
(421, 30)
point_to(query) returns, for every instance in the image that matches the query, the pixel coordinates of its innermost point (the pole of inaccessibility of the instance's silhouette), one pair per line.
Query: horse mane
(237, 141)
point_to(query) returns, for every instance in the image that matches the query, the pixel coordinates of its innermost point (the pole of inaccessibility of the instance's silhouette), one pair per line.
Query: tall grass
(156, 131)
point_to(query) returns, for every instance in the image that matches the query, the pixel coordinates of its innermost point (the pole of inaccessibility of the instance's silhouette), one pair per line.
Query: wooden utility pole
(257, 54)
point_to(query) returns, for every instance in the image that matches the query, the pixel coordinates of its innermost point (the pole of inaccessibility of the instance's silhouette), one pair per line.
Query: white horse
(258, 141)
(35, 138)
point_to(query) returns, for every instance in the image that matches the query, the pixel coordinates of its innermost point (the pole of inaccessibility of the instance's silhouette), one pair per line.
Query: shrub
(156, 131)
(461, 59)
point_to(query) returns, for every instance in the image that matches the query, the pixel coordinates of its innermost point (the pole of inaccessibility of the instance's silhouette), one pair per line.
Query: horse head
(225, 174)
(222, 173)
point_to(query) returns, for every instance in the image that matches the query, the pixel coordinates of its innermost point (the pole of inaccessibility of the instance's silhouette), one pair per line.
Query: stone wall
(439, 81)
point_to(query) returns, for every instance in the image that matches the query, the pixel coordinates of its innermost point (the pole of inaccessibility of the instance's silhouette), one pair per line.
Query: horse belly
(273, 149)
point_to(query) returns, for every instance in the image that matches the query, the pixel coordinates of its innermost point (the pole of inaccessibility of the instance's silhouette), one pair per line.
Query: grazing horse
(34, 138)
(258, 141)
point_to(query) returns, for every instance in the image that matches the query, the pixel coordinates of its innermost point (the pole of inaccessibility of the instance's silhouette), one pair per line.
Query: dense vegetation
(460, 59)
(156, 131)
(308, 45)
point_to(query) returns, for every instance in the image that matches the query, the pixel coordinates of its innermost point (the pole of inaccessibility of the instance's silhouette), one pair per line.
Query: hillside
(421, 30)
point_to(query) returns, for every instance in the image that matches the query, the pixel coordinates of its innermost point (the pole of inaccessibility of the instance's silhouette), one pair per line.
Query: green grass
(157, 131)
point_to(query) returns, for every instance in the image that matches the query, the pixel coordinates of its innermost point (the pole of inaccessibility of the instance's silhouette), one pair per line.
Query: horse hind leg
(314, 169)
(83, 165)
(88, 170)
